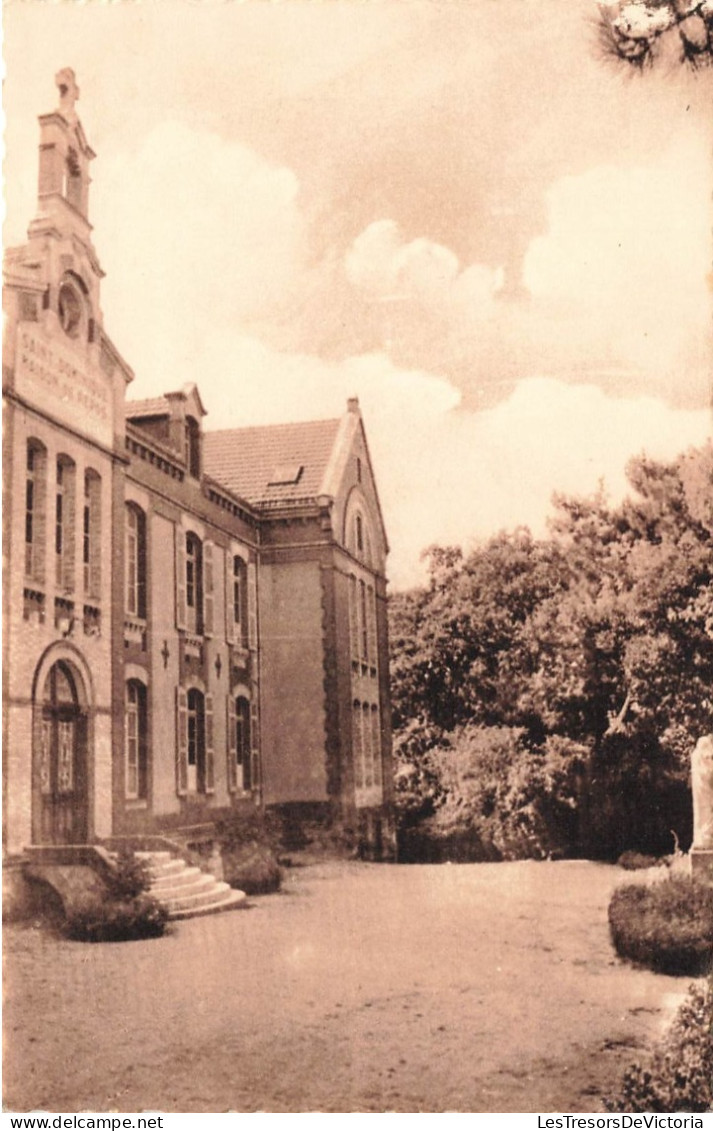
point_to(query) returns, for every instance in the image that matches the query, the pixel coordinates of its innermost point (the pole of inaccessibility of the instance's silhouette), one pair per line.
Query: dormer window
(285, 475)
(193, 451)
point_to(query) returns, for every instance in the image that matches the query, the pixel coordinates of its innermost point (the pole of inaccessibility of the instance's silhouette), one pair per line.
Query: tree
(599, 637)
(639, 32)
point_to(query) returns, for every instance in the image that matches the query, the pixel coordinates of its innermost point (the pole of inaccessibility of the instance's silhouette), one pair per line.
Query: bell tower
(64, 154)
(61, 225)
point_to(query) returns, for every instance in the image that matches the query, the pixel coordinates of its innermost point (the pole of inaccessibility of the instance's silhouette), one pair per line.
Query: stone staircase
(187, 891)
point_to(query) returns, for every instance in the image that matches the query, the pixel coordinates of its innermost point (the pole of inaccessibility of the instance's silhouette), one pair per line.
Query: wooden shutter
(252, 606)
(231, 743)
(209, 745)
(229, 598)
(208, 595)
(181, 742)
(254, 768)
(180, 569)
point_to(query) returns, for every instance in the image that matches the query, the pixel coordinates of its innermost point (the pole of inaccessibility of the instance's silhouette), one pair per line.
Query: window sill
(134, 631)
(136, 803)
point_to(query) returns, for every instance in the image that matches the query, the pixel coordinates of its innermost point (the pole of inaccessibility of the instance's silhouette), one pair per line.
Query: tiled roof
(151, 406)
(263, 464)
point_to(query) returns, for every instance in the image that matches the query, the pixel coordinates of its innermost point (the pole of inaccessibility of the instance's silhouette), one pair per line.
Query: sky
(456, 211)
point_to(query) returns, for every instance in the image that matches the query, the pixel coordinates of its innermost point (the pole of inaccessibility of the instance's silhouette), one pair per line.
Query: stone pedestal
(702, 865)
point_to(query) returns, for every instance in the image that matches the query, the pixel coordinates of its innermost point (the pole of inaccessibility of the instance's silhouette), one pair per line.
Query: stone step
(211, 893)
(167, 867)
(193, 886)
(165, 881)
(227, 903)
(186, 891)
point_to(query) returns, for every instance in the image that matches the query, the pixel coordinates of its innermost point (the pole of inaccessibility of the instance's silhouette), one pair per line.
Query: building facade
(195, 621)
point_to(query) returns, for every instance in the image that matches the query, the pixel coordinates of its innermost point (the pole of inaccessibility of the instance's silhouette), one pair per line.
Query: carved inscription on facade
(44, 367)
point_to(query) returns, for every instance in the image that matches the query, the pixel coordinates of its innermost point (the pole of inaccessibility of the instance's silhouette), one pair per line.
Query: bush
(632, 861)
(129, 878)
(251, 868)
(97, 919)
(247, 843)
(667, 926)
(680, 1075)
(497, 798)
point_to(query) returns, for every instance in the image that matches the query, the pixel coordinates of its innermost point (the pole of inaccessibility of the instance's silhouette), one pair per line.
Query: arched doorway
(60, 810)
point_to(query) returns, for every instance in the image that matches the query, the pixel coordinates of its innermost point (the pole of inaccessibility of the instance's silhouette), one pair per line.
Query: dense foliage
(667, 926)
(548, 692)
(123, 911)
(639, 32)
(129, 878)
(680, 1075)
(248, 844)
(97, 919)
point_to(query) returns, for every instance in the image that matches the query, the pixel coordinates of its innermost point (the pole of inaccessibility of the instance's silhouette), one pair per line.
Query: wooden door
(62, 763)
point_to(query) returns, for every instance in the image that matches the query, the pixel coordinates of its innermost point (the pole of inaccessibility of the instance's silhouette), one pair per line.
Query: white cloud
(382, 264)
(203, 234)
(625, 261)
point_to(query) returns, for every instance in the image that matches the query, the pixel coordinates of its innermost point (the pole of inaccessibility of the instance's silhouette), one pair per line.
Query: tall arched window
(91, 535)
(194, 749)
(35, 502)
(135, 560)
(243, 776)
(64, 528)
(196, 741)
(194, 583)
(240, 600)
(135, 740)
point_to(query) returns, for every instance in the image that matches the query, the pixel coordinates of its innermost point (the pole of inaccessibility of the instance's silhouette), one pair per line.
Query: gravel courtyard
(358, 987)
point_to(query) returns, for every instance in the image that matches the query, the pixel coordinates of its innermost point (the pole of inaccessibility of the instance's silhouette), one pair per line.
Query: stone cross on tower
(68, 93)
